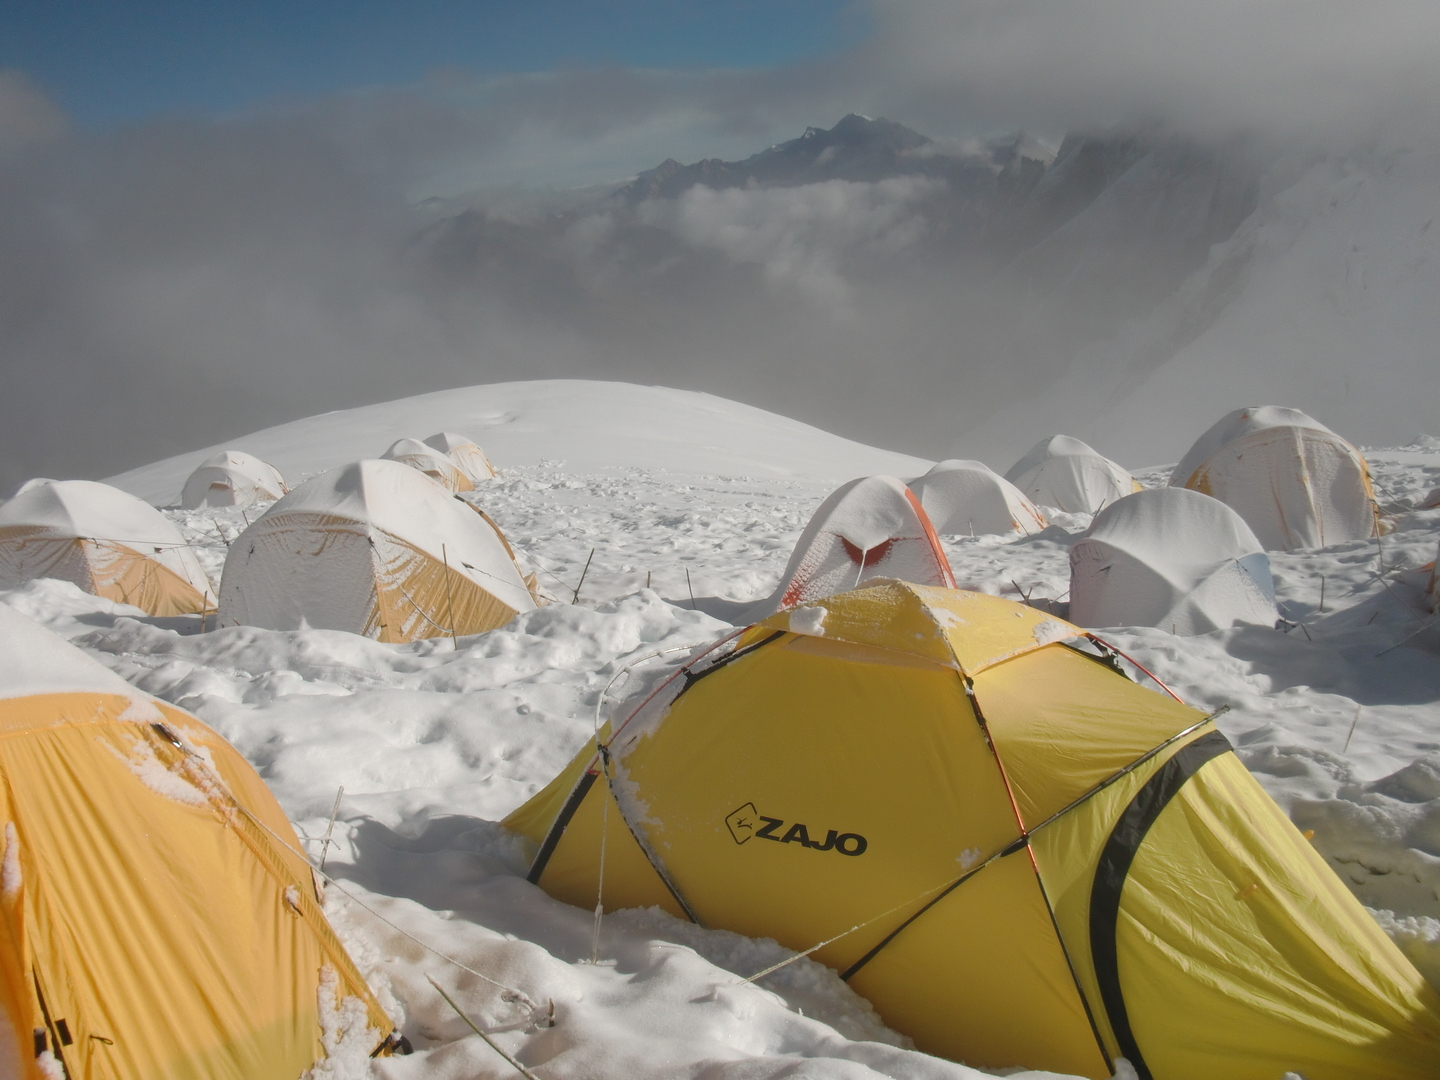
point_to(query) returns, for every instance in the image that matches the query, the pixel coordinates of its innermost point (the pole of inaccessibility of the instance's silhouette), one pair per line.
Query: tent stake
(689, 588)
(1322, 594)
(576, 598)
(334, 810)
(521, 1069)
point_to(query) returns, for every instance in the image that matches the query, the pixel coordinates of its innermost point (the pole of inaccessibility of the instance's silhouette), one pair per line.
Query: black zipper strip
(1115, 861)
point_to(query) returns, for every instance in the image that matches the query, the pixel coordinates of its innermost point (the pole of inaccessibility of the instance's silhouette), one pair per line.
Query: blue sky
(106, 61)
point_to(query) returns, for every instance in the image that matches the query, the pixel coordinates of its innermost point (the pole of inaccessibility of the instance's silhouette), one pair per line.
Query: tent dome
(1067, 474)
(106, 541)
(465, 453)
(433, 463)
(1170, 558)
(374, 548)
(160, 918)
(967, 498)
(870, 527)
(232, 478)
(1294, 481)
(1021, 857)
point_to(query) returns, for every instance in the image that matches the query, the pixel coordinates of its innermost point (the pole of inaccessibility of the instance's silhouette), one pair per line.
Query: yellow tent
(157, 918)
(377, 549)
(106, 541)
(1021, 857)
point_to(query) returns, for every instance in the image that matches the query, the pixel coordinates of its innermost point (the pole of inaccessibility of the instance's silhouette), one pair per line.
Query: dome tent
(377, 549)
(431, 462)
(467, 456)
(232, 478)
(968, 498)
(1173, 559)
(1021, 857)
(870, 527)
(159, 918)
(1067, 474)
(106, 541)
(1295, 482)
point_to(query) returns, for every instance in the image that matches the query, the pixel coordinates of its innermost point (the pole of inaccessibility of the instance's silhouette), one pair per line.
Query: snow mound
(589, 425)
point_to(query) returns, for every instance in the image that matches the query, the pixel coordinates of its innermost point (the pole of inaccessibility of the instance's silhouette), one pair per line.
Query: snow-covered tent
(431, 462)
(968, 498)
(104, 540)
(465, 453)
(1294, 481)
(232, 478)
(1170, 558)
(1067, 474)
(377, 549)
(159, 916)
(873, 527)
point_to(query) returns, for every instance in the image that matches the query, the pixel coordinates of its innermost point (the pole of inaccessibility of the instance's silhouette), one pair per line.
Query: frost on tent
(10, 877)
(1051, 631)
(345, 1033)
(158, 777)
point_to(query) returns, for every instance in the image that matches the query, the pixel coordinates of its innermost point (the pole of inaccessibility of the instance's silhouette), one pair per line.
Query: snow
(587, 426)
(435, 741)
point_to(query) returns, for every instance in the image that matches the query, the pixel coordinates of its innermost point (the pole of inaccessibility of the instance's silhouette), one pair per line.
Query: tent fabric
(232, 478)
(1021, 857)
(107, 542)
(1294, 481)
(968, 498)
(157, 916)
(871, 527)
(1174, 559)
(427, 460)
(465, 453)
(377, 549)
(1067, 474)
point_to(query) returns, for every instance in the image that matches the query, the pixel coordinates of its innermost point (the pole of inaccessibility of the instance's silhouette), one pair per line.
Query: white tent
(431, 462)
(465, 453)
(968, 498)
(1293, 480)
(232, 478)
(1173, 559)
(106, 541)
(873, 527)
(377, 549)
(1067, 474)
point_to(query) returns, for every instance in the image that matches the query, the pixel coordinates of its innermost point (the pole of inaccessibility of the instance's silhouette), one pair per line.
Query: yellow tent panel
(159, 919)
(1019, 855)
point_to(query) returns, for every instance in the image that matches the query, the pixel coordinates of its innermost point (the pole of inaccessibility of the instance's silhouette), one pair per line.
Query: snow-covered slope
(583, 425)
(1323, 300)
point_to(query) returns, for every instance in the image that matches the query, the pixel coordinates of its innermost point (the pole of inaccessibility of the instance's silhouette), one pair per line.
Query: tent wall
(161, 908)
(110, 570)
(1295, 487)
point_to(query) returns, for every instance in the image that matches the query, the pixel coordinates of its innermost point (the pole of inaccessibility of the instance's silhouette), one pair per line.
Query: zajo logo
(747, 822)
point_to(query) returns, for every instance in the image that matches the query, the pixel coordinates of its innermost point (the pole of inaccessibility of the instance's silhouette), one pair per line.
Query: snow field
(435, 741)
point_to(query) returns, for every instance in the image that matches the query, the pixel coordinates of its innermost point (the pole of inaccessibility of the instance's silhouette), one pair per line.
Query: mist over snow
(1110, 219)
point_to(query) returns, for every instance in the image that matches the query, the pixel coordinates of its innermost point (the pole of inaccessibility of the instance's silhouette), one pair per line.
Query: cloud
(801, 236)
(1312, 69)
